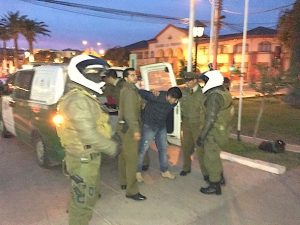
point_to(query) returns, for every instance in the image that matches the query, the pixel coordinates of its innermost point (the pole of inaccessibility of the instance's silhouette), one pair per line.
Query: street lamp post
(198, 31)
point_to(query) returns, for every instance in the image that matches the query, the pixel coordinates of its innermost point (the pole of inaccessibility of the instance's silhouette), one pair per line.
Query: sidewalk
(249, 197)
(30, 195)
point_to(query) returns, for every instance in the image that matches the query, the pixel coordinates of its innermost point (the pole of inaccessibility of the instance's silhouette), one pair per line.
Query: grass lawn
(287, 159)
(279, 120)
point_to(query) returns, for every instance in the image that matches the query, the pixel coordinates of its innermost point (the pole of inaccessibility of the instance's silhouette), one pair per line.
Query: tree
(14, 23)
(4, 36)
(31, 29)
(271, 81)
(119, 56)
(289, 34)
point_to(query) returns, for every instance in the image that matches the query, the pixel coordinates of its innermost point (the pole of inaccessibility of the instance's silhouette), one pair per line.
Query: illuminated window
(223, 49)
(264, 46)
(238, 48)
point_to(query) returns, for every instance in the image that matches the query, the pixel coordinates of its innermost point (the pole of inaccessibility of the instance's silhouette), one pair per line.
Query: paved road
(30, 195)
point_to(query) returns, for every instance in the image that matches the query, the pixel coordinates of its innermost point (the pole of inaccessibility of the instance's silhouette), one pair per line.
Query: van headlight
(58, 120)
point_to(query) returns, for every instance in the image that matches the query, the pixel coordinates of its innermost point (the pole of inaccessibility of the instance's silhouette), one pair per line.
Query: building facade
(170, 45)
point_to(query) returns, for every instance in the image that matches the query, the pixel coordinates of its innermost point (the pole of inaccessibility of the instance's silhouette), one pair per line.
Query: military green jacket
(130, 107)
(114, 91)
(84, 124)
(192, 106)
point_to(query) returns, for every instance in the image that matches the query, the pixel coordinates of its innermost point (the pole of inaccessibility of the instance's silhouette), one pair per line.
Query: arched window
(238, 48)
(264, 46)
(179, 53)
(169, 53)
(160, 53)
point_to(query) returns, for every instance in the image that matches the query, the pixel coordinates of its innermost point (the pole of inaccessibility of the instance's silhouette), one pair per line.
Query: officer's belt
(84, 157)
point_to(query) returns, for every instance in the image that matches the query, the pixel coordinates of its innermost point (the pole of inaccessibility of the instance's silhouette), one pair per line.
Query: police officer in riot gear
(85, 135)
(215, 132)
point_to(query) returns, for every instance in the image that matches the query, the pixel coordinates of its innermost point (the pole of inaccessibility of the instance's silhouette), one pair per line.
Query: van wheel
(41, 152)
(4, 132)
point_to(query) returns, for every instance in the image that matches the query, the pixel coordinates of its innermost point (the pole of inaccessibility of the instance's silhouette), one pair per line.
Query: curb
(257, 164)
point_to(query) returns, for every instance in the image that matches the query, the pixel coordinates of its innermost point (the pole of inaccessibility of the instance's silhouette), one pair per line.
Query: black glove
(200, 141)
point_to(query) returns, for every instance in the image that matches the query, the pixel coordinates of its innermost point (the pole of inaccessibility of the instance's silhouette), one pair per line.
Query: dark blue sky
(68, 29)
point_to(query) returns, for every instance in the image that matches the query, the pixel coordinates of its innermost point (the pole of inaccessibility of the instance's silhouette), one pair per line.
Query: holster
(124, 126)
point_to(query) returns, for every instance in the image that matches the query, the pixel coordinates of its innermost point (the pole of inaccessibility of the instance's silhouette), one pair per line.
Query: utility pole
(190, 41)
(212, 10)
(242, 68)
(216, 30)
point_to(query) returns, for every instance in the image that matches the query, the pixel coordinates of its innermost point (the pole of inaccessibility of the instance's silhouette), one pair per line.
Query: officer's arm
(213, 106)
(131, 112)
(85, 123)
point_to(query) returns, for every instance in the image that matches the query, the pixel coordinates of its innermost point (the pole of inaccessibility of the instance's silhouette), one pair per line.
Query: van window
(22, 84)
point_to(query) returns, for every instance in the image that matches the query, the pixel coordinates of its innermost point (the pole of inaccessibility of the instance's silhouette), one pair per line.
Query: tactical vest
(67, 132)
(222, 125)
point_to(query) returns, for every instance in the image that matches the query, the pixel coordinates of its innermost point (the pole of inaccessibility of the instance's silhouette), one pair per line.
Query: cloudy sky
(101, 22)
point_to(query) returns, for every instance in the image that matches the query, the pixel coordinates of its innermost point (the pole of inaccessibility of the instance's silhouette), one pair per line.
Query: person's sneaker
(168, 174)
(139, 177)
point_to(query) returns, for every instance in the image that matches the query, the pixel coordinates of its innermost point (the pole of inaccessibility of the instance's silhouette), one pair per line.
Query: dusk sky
(68, 28)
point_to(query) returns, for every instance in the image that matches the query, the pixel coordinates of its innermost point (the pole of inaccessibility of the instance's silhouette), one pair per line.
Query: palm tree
(31, 29)
(14, 23)
(4, 36)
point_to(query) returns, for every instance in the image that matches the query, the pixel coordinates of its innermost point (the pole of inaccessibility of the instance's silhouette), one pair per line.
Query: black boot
(206, 178)
(222, 181)
(213, 188)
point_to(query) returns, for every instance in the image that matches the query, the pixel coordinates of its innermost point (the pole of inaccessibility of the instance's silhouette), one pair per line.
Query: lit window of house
(238, 48)
(223, 49)
(264, 46)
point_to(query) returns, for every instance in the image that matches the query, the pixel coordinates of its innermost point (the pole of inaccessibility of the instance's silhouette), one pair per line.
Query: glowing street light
(98, 43)
(84, 42)
(198, 31)
(101, 51)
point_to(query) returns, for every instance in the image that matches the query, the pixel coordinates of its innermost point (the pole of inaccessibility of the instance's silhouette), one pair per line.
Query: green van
(28, 110)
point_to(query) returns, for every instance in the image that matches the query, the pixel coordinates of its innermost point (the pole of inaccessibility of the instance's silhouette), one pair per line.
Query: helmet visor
(92, 69)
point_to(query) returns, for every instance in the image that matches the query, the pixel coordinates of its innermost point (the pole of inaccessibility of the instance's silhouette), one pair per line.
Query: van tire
(4, 132)
(41, 152)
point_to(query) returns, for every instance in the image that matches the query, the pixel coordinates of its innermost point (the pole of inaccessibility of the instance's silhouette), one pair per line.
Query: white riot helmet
(212, 79)
(86, 70)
